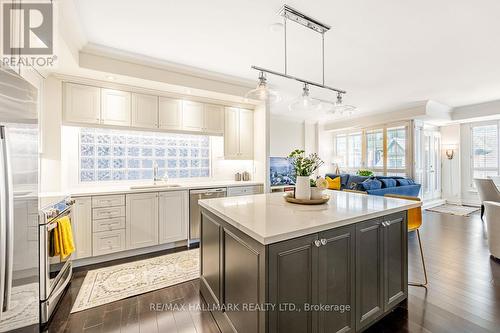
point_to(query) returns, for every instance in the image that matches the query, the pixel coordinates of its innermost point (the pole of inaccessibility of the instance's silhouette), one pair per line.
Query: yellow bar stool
(414, 223)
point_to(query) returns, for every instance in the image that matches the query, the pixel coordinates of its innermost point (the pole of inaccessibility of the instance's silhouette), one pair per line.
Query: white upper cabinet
(214, 118)
(231, 133)
(246, 134)
(115, 107)
(174, 216)
(170, 113)
(82, 104)
(142, 220)
(192, 116)
(144, 111)
(238, 134)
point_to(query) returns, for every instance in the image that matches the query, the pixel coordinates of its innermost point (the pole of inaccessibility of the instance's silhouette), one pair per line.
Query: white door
(82, 104)
(192, 116)
(142, 220)
(144, 111)
(115, 107)
(174, 216)
(170, 113)
(246, 134)
(431, 185)
(214, 118)
(231, 133)
(82, 227)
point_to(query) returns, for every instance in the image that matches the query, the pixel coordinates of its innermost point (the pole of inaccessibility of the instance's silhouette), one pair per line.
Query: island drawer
(108, 242)
(108, 201)
(109, 224)
(108, 213)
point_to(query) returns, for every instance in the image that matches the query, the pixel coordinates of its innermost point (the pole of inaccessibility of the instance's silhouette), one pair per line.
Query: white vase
(302, 188)
(316, 193)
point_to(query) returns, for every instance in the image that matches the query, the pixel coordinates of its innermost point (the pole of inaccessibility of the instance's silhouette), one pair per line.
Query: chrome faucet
(155, 172)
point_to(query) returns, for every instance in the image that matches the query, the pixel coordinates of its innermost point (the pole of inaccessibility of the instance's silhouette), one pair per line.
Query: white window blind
(485, 150)
(354, 152)
(396, 148)
(375, 149)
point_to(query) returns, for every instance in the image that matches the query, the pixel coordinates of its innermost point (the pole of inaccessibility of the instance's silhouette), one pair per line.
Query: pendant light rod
(287, 76)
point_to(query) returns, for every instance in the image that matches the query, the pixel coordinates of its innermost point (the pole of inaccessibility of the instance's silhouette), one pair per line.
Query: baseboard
(126, 254)
(433, 203)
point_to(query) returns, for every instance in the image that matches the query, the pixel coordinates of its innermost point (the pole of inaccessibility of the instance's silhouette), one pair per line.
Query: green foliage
(365, 172)
(304, 165)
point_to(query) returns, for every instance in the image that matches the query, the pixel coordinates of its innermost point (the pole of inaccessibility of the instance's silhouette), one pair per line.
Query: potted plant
(304, 167)
(365, 172)
(317, 187)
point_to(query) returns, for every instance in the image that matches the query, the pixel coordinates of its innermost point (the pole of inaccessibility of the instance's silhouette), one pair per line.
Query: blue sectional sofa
(378, 185)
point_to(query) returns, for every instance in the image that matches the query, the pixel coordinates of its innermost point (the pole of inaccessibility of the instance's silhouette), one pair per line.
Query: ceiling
(386, 54)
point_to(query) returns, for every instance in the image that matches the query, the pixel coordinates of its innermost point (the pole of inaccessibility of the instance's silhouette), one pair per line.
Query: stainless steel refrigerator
(19, 170)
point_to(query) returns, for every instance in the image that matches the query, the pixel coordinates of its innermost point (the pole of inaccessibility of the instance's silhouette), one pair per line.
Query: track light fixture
(263, 93)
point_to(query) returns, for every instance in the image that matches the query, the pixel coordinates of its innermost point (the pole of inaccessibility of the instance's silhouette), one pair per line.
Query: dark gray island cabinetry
(340, 276)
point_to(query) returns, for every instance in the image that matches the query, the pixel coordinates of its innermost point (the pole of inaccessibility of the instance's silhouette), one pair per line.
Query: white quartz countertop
(160, 187)
(268, 218)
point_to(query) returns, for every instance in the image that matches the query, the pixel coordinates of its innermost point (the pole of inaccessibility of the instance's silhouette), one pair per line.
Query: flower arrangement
(319, 183)
(304, 165)
(364, 172)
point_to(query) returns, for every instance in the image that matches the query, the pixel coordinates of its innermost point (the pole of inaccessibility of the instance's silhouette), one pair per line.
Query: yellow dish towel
(63, 238)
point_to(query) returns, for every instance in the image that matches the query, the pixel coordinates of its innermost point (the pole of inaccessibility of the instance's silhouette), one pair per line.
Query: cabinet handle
(323, 241)
(317, 242)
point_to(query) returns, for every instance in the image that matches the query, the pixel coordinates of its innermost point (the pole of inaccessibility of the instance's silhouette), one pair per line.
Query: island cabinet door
(336, 281)
(292, 281)
(211, 259)
(369, 272)
(395, 260)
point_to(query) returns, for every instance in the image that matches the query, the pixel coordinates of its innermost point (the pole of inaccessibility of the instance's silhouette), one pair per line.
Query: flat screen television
(282, 172)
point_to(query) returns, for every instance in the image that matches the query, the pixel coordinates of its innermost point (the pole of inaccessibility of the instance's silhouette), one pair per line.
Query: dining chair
(493, 227)
(414, 219)
(487, 191)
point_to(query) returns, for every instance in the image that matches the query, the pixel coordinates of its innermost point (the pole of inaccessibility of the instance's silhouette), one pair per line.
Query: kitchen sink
(154, 186)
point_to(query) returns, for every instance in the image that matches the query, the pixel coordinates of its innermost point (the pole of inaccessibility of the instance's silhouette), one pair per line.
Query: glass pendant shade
(340, 108)
(304, 102)
(262, 92)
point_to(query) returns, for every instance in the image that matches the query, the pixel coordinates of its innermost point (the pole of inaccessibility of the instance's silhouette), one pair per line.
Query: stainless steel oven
(55, 274)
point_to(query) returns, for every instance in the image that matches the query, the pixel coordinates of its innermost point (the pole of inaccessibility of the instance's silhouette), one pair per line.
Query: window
(382, 150)
(375, 149)
(354, 148)
(113, 155)
(396, 148)
(341, 149)
(484, 150)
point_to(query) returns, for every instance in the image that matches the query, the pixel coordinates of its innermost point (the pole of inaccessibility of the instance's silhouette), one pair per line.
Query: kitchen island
(271, 266)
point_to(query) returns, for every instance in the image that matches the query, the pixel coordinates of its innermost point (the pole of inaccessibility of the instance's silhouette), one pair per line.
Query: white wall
(50, 132)
(451, 169)
(285, 135)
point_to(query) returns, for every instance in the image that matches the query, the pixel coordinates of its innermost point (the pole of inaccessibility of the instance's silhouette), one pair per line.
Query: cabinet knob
(323, 241)
(317, 242)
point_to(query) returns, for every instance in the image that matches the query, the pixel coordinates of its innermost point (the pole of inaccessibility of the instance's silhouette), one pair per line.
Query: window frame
(384, 170)
(472, 169)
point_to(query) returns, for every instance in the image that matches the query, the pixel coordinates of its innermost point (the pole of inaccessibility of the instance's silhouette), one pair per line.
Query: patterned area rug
(23, 308)
(110, 284)
(454, 209)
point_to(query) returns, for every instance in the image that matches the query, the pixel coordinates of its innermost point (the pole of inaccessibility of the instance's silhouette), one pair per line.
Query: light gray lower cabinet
(359, 270)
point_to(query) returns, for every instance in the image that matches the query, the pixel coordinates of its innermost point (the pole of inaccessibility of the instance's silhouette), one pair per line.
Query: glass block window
(114, 155)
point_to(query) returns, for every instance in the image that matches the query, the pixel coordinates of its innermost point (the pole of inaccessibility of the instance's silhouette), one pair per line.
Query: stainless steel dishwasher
(194, 208)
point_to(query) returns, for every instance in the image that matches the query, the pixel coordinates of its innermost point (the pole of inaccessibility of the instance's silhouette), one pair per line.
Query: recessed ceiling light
(276, 27)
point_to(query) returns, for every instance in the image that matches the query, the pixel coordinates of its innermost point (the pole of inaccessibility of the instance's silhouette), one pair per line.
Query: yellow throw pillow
(333, 184)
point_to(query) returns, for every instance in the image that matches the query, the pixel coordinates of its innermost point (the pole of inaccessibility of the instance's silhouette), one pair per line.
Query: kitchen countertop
(268, 218)
(109, 190)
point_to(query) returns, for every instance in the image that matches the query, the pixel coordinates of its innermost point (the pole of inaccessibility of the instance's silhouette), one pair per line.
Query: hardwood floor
(463, 294)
